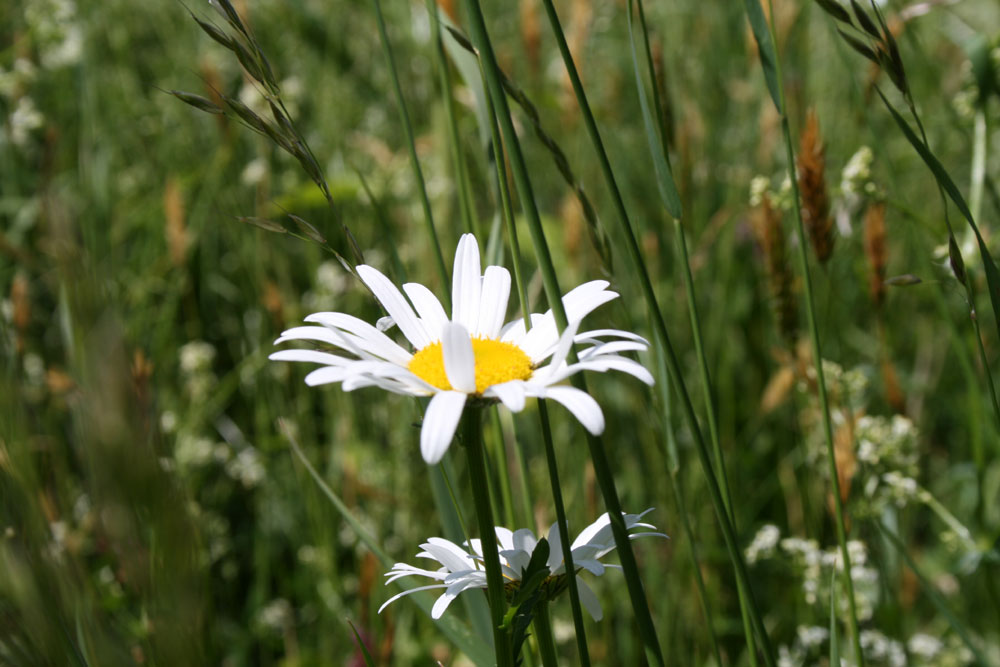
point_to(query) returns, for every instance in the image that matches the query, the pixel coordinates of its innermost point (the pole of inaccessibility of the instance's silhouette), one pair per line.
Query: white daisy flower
(471, 356)
(462, 569)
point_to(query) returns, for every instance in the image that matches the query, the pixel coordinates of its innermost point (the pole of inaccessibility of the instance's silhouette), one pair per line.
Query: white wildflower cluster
(55, 30)
(780, 198)
(887, 458)
(275, 617)
(856, 177)
(815, 567)
(764, 543)
(811, 647)
(246, 468)
(196, 359)
(24, 121)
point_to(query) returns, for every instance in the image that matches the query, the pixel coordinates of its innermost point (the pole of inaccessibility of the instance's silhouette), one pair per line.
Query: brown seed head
(875, 250)
(771, 237)
(812, 186)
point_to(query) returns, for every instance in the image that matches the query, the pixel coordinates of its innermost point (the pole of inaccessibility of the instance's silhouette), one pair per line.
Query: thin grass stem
(473, 441)
(638, 262)
(543, 633)
(817, 350)
(404, 116)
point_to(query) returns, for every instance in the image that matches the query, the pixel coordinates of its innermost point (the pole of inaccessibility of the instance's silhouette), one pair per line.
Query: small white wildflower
(24, 121)
(275, 616)
(255, 172)
(764, 543)
(246, 468)
(857, 172)
(168, 421)
(196, 356)
(924, 646)
(811, 636)
(193, 451)
(759, 187)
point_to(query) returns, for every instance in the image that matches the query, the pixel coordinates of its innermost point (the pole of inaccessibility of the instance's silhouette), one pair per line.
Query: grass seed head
(875, 250)
(812, 185)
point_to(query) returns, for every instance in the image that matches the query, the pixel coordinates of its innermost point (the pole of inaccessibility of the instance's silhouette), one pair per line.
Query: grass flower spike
(471, 356)
(461, 568)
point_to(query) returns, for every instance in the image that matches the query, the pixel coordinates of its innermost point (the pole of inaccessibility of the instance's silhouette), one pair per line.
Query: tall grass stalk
(601, 467)
(472, 438)
(454, 141)
(663, 336)
(817, 350)
(511, 227)
(671, 200)
(418, 173)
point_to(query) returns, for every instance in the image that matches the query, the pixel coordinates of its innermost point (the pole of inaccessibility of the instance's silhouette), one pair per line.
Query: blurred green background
(152, 512)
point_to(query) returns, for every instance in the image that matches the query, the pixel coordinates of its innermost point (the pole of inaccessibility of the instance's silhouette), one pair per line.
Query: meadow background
(153, 512)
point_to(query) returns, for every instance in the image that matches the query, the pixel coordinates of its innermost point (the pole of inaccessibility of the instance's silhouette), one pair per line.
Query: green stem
(455, 145)
(472, 438)
(979, 148)
(404, 117)
(817, 350)
(574, 592)
(543, 633)
(635, 253)
(500, 454)
(605, 479)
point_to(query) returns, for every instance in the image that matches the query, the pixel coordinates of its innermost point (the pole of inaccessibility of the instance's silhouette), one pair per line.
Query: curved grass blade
(361, 645)
(758, 23)
(661, 162)
(948, 185)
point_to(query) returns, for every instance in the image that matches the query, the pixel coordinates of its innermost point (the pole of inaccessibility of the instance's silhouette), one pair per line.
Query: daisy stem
(574, 592)
(472, 438)
(543, 633)
(817, 351)
(605, 479)
(500, 454)
(461, 175)
(418, 173)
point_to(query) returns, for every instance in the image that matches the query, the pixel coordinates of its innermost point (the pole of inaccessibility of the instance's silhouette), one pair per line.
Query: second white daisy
(472, 355)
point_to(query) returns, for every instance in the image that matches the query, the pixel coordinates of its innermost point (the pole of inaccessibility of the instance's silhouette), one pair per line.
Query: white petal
(395, 304)
(587, 535)
(311, 356)
(459, 360)
(466, 283)
(407, 592)
(493, 302)
(371, 339)
(440, 422)
(562, 349)
(602, 364)
(327, 375)
(511, 394)
(428, 307)
(616, 333)
(581, 404)
(505, 536)
(612, 347)
(589, 600)
(449, 554)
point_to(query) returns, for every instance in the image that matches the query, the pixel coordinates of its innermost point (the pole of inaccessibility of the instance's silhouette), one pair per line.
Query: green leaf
(948, 185)
(865, 21)
(661, 162)
(765, 47)
(361, 644)
(859, 46)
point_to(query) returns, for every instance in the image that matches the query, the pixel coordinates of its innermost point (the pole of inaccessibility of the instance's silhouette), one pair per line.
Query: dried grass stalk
(875, 250)
(812, 184)
(771, 237)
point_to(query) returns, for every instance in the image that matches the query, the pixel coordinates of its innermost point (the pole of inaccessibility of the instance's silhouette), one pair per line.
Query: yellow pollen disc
(496, 362)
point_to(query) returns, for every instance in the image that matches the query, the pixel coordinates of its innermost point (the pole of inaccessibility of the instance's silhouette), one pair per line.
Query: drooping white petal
(395, 304)
(505, 536)
(612, 347)
(581, 404)
(428, 307)
(493, 302)
(586, 336)
(440, 422)
(370, 338)
(602, 364)
(327, 375)
(579, 302)
(511, 394)
(466, 283)
(408, 592)
(310, 356)
(441, 604)
(589, 600)
(459, 359)
(588, 534)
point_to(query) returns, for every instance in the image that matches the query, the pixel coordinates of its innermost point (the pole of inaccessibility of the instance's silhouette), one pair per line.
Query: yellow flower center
(496, 362)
